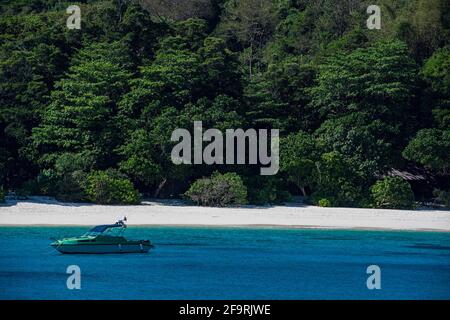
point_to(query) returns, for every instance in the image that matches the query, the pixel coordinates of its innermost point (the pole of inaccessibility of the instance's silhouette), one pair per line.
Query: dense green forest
(364, 115)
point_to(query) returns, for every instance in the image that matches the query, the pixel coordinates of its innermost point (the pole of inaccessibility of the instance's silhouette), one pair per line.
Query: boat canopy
(104, 227)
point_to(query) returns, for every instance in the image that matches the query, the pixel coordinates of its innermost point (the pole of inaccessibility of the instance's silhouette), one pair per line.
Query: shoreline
(234, 226)
(44, 211)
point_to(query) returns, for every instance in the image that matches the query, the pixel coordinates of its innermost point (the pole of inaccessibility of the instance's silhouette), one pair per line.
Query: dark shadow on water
(182, 244)
(335, 238)
(429, 246)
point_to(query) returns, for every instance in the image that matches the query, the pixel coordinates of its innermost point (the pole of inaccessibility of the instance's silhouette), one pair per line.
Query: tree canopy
(97, 104)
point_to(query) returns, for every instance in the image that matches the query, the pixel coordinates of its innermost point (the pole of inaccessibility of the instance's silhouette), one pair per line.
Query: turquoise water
(230, 263)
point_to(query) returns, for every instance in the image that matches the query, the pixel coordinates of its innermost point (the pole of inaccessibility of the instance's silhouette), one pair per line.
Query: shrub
(393, 193)
(27, 189)
(442, 197)
(339, 193)
(266, 190)
(338, 182)
(219, 190)
(67, 180)
(109, 187)
(324, 203)
(47, 182)
(70, 187)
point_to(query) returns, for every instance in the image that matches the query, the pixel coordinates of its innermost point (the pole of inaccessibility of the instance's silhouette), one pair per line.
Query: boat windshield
(107, 229)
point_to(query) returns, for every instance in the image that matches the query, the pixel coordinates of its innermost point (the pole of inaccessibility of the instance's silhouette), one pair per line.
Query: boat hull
(103, 248)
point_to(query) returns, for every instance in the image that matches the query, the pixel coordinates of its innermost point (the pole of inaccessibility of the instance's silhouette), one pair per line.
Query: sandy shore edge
(43, 211)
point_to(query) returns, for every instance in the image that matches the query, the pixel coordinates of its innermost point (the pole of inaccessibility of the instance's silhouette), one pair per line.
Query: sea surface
(230, 263)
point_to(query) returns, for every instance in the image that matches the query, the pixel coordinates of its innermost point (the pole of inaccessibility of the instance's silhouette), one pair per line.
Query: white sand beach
(47, 211)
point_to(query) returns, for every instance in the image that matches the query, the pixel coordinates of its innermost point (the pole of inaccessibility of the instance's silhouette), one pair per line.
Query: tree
(298, 159)
(367, 96)
(307, 27)
(70, 172)
(431, 148)
(148, 112)
(224, 112)
(80, 116)
(436, 72)
(137, 29)
(279, 98)
(139, 154)
(222, 74)
(163, 99)
(393, 193)
(424, 26)
(347, 100)
(181, 9)
(379, 80)
(33, 54)
(337, 182)
(369, 146)
(289, 82)
(251, 23)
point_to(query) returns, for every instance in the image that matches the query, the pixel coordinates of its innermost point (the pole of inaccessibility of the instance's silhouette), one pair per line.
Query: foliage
(181, 10)
(324, 203)
(436, 72)
(278, 98)
(2, 195)
(338, 182)
(47, 180)
(442, 197)
(33, 54)
(378, 80)
(430, 147)
(393, 193)
(266, 190)
(80, 117)
(250, 23)
(70, 187)
(350, 103)
(367, 145)
(298, 160)
(108, 187)
(424, 26)
(164, 99)
(218, 190)
(27, 189)
(70, 172)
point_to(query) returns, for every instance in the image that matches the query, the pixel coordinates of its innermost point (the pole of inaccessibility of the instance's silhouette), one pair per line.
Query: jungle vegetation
(87, 115)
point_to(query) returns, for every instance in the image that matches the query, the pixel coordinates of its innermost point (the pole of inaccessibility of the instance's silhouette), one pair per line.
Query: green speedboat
(103, 239)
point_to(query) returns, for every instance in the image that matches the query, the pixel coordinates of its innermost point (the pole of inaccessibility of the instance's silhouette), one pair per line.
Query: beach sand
(47, 211)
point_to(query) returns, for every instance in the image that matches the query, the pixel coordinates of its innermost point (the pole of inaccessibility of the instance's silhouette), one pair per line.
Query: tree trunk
(160, 186)
(251, 59)
(303, 191)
